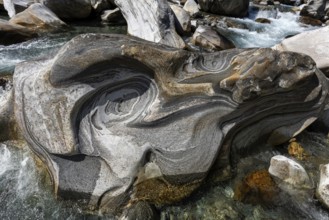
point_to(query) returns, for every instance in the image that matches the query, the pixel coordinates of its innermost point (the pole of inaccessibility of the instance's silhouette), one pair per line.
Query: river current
(25, 190)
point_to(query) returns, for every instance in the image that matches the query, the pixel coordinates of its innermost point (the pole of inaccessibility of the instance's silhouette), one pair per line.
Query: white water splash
(283, 24)
(10, 7)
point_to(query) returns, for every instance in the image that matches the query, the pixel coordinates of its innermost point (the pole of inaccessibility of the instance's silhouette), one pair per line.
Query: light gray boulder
(182, 20)
(313, 43)
(117, 119)
(236, 8)
(151, 20)
(290, 172)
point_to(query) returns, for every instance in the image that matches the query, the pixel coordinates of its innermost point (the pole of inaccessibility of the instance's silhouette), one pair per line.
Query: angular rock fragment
(182, 20)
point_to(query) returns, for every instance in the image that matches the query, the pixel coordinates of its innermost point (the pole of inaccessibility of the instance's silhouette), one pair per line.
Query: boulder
(38, 19)
(314, 43)
(191, 7)
(209, 39)
(114, 15)
(118, 119)
(314, 9)
(151, 20)
(290, 172)
(12, 33)
(182, 20)
(322, 191)
(235, 8)
(69, 10)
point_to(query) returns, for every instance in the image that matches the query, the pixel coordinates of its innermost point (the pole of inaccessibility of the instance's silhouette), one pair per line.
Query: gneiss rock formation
(117, 119)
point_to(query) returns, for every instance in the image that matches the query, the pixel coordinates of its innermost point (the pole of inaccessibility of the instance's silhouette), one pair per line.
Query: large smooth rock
(236, 8)
(209, 39)
(72, 9)
(313, 43)
(12, 33)
(322, 191)
(314, 9)
(38, 19)
(119, 119)
(151, 20)
(290, 172)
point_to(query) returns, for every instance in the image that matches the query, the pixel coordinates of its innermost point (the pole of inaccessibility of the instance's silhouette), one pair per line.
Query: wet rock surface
(137, 103)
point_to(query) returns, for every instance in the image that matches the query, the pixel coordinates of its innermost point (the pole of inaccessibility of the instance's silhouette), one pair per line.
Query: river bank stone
(209, 39)
(38, 19)
(290, 172)
(110, 115)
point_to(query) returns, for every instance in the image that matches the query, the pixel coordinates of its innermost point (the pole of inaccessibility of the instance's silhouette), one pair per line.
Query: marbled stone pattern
(111, 112)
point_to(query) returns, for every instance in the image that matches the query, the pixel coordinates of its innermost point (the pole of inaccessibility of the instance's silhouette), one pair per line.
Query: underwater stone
(134, 113)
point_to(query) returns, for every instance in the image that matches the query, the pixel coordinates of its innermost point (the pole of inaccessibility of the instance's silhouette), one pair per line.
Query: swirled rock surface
(119, 119)
(151, 20)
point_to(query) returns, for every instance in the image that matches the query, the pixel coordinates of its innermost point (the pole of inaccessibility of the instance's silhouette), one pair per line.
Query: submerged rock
(38, 19)
(119, 119)
(313, 43)
(290, 171)
(151, 20)
(236, 8)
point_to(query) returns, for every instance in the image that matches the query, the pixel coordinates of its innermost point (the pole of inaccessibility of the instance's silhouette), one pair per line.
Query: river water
(25, 191)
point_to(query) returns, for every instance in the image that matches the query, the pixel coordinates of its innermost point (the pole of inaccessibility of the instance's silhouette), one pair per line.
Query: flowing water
(26, 193)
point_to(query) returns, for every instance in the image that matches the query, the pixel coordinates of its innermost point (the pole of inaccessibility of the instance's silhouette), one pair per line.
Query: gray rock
(191, 7)
(182, 20)
(114, 15)
(313, 43)
(236, 8)
(314, 9)
(151, 20)
(290, 172)
(209, 39)
(15, 6)
(38, 19)
(73, 9)
(322, 191)
(118, 119)
(12, 33)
